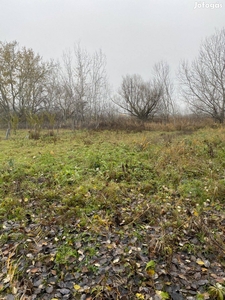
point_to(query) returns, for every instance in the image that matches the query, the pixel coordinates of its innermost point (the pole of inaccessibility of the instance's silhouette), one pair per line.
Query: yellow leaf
(204, 270)
(14, 290)
(140, 296)
(196, 213)
(200, 262)
(76, 287)
(25, 199)
(150, 272)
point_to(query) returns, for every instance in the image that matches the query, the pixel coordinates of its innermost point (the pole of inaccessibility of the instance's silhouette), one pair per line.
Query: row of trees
(201, 84)
(76, 90)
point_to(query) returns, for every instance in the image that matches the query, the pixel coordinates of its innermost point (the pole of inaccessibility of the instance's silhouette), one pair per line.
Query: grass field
(113, 215)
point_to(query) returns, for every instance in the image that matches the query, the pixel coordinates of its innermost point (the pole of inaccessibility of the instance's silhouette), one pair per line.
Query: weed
(11, 270)
(189, 248)
(217, 291)
(93, 269)
(90, 251)
(65, 252)
(200, 297)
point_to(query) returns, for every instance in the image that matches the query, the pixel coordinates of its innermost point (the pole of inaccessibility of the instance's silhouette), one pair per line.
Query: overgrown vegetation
(113, 215)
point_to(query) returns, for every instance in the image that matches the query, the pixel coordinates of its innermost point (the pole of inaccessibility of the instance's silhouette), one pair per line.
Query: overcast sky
(133, 34)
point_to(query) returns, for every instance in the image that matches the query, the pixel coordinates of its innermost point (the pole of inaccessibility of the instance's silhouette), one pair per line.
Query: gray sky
(133, 34)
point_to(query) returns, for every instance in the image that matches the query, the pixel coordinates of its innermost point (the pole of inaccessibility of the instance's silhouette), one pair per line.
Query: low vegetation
(113, 215)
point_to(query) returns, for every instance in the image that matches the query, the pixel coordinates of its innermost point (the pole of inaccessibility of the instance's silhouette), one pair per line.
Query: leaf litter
(126, 259)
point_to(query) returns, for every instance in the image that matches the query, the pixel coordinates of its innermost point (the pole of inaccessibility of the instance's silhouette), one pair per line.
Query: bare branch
(203, 82)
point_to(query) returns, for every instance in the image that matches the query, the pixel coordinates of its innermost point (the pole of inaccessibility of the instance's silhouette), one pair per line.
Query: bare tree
(84, 84)
(139, 98)
(203, 81)
(23, 77)
(161, 72)
(99, 87)
(66, 94)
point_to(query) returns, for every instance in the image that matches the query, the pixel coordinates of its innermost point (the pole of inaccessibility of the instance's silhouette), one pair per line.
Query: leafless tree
(162, 76)
(99, 87)
(138, 97)
(203, 81)
(84, 84)
(65, 87)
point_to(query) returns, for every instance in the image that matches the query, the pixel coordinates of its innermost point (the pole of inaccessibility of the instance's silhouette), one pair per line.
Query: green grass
(85, 172)
(94, 170)
(105, 179)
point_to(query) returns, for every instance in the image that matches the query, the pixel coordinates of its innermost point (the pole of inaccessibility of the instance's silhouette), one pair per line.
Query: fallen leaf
(200, 262)
(77, 287)
(140, 296)
(150, 272)
(34, 270)
(163, 295)
(14, 290)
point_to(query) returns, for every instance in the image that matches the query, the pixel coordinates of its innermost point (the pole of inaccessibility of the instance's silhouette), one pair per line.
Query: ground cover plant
(113, 215)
